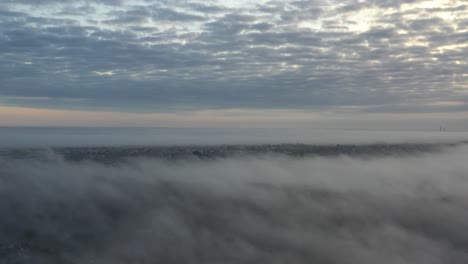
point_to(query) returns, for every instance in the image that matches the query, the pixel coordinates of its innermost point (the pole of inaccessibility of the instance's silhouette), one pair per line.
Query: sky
(221, 63)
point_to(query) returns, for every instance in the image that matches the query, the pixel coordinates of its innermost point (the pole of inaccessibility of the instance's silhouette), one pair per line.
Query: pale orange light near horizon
(253, 118)
(22, 116)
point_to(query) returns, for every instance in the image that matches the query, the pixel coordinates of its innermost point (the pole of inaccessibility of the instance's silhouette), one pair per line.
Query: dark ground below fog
(115, 154)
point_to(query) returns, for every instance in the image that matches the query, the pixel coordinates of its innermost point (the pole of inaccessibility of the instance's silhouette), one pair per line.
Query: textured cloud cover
(142, 55)
(238, 210)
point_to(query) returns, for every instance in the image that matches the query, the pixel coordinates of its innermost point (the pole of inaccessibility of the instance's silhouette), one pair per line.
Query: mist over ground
(268, 208)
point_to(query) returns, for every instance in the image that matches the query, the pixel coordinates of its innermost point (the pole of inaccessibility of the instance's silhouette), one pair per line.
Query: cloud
(58, 2)
(172, 15)
(299, 54)
(245, 209)
(139, 15)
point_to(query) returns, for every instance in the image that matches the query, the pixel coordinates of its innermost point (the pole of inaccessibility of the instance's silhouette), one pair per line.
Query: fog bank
(250, 209)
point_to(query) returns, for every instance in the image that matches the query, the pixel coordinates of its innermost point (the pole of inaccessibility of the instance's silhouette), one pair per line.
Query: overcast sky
(223, 62)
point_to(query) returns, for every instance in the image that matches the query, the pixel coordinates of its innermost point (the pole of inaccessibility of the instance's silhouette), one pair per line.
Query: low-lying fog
(249, 209)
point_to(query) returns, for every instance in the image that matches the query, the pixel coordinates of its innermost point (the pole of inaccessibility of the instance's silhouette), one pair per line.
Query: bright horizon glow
(234, 118)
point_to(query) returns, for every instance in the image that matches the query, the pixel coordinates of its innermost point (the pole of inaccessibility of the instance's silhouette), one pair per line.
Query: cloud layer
(376, 56)
(236, 210)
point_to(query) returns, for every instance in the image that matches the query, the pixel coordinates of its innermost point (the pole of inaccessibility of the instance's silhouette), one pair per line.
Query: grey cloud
(49, 2)
(172, 15)
(262, 26)
(130, 17)
(391, 3)
(140, 15)
(414, 108)
(11, 14)
(292, 11)
(207, 8)
(424, 24)
(78, 11)
(230, 53)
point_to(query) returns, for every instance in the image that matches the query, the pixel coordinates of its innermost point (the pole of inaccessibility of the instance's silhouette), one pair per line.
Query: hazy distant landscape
(121, 136)
(118, 144)
(374, 202)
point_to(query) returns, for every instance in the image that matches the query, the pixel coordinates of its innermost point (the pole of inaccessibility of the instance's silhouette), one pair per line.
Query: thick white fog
(43, 137)
(249, 209)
